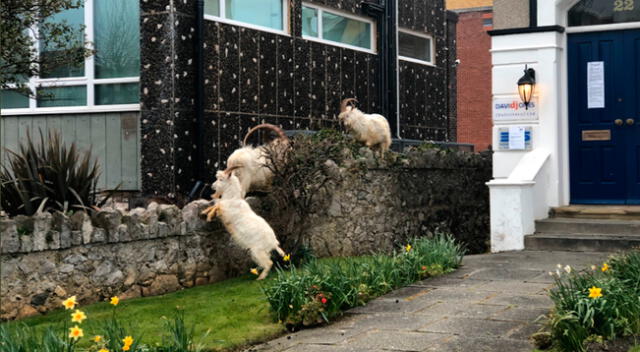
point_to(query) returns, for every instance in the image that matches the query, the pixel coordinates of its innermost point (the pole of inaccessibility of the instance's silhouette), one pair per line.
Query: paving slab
(492, 303)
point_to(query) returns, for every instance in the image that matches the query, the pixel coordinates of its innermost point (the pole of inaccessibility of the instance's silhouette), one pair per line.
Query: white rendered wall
(547, 183)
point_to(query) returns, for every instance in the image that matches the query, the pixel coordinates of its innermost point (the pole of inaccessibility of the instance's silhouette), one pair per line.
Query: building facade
(579, 140)
(203, 73)
(473, 45)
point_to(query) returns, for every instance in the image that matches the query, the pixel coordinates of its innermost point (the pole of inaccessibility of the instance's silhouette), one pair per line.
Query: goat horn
(345, 103)
(229, 170)
(268, 126)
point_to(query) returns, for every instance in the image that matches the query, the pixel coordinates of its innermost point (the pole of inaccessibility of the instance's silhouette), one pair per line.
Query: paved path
(489, 304)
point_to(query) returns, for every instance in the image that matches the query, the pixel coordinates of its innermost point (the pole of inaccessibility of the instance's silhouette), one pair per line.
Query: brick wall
(474, 79)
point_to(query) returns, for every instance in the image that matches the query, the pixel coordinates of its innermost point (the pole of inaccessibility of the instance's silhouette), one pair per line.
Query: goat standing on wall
(252, 163)
(371, 129)
(247, 229)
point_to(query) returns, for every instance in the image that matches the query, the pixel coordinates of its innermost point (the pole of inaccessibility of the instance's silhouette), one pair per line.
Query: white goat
(371, 129)
(247, 229)
(252, 163)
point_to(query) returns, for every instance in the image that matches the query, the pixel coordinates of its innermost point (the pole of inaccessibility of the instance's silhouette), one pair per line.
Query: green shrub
(320, 290)
(580, 313)
(48, 176)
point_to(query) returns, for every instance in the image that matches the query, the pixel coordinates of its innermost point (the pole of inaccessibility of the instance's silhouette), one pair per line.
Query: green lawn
(235, 312)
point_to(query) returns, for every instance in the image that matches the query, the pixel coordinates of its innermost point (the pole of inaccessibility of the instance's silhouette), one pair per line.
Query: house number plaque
(596, 135)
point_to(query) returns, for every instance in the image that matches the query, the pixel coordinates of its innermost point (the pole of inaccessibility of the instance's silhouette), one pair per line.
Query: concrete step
(620, 212)
(588, 226)
(580, 242)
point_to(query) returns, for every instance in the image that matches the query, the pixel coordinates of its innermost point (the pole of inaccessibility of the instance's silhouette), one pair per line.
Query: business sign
(513, 109)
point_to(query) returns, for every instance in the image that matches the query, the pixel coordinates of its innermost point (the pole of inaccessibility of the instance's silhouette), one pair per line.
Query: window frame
(319, 39)
(88, 80)
(222, 6)
(432, 47)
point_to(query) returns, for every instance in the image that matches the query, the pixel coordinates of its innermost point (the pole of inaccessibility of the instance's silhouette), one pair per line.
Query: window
(586, 13)
(334, 28)
(416, 47)
(268, 15)
(108, 80)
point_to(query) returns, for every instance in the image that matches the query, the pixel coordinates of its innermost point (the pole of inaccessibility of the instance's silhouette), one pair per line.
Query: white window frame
(222, 6)
(320, 39)
(422, 35)
(87, 80)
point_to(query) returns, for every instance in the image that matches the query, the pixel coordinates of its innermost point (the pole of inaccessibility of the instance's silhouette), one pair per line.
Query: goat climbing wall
(253, 76)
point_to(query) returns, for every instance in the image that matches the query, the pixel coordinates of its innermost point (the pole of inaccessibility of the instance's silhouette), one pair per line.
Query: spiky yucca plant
(48, 176)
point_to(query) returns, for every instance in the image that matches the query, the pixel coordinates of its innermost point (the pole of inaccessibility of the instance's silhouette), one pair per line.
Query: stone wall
(372, 207)
(386, 203)
(144, 252)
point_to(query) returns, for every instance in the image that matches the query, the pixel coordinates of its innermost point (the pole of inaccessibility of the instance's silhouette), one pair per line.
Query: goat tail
(268, 126)
(280, 251)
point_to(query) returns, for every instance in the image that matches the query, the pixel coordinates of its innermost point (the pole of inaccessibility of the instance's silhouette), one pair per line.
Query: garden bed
(235, 313)
(596, 309)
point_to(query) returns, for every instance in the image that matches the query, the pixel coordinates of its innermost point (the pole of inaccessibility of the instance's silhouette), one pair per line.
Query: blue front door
(604, 132)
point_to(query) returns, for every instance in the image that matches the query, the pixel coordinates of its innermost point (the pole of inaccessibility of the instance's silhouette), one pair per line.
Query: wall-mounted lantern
(526, 85)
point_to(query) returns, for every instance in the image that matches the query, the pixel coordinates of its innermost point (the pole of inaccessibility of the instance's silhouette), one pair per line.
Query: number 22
(623, 5)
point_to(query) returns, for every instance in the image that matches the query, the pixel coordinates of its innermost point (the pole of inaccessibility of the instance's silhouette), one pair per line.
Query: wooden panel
(112, 138)
(10, 135)
(113, 156)
(98, 145)
(130, 150)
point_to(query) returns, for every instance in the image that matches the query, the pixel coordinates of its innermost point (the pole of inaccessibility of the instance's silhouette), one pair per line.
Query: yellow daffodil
(103, 350)
(127, 341)
(605, 267)
(75, 332)
(254, 271)
(407, 247)
(97, 338)
(595, 292)
(287, 257)
(78, 316)
(115, 300)
(126, 347)
(70, 302)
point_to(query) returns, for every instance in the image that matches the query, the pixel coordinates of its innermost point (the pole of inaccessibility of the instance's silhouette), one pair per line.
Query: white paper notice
(595, 84)
(516, 137)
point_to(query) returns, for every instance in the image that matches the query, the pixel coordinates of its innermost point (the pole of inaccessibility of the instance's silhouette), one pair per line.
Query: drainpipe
(533, 13)
(385, 14)
(394, 88)
(199, 100)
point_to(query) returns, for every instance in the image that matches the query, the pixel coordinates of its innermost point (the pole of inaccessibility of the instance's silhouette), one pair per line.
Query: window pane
(212, 7)
(50, 52)
(117, 38)
(345, 30)
(414, 46)
(10, 99)
(266, 13)
(123, 93)
(309, 21)
(62, 96)
(587, 13)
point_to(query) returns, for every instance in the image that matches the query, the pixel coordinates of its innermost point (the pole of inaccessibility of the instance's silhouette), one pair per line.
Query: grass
(235, 312)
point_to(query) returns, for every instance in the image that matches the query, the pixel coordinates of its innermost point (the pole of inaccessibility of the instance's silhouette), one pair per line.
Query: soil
(619, 345)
